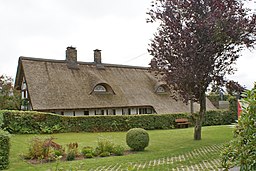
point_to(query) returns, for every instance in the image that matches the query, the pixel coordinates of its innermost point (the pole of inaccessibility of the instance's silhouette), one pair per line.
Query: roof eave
(19, 75)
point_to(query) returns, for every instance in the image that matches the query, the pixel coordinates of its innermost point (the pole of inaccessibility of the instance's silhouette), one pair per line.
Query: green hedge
(2, 117)
(233, 106)
(4, 150)
(218, 117)
(30, 122)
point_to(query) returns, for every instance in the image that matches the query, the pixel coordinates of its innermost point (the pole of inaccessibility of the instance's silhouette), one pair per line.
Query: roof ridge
(81, 62)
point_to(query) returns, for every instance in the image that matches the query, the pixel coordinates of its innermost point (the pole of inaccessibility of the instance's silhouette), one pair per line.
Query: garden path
(196, 160)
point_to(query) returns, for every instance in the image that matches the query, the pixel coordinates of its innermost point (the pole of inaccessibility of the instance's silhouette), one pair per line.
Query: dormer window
(100, 88)
(160, 89)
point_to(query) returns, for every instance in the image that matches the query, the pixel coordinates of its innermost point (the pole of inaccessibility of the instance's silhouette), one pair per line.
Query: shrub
(58, 153)
(71, 156)
(87, 151)
(44, 149)
(137, 139)
(241, 150)
(4, 149)
(233, 107)
(89, 155)
(104, 145)
(105, 154)
(72, 151)
(118, 150)
(36, 148)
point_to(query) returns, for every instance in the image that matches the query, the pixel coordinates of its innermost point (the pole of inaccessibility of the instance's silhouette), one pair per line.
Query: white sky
(44, 28)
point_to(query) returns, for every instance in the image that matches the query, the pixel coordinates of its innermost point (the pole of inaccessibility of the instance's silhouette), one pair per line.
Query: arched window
(100, 88)
(160, 89)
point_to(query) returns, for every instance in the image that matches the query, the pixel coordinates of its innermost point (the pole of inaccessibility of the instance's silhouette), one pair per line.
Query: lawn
(167, 149)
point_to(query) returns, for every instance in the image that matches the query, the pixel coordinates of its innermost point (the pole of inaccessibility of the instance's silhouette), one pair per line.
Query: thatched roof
(52, 85)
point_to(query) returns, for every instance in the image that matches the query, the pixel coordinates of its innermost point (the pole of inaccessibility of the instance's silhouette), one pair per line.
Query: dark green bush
(4, 149)
(31, 122)
(241, 151)
(137, 139)
(1, 118)
(233, 106)
(218, 117)
(71, 156)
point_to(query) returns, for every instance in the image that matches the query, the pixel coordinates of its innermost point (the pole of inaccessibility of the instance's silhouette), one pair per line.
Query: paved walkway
(175, 163)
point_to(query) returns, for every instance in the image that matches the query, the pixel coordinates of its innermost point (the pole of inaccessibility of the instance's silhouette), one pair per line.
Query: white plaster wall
(68, 113)
(80, 113)
(133, 111)
(91, 112)
(58, 112)
(118, 111)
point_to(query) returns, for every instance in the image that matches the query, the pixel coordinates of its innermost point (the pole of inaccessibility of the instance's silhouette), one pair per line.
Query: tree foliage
(197, 42)
(234, 88)
(9, 97)
(242, 150)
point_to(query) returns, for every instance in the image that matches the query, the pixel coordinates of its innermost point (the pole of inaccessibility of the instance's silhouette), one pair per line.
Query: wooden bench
(182, 123)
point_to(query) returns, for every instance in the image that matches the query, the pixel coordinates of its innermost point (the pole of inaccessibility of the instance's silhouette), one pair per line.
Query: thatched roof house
(71, 87)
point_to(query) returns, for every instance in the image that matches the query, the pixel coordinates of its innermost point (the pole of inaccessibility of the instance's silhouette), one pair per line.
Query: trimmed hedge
(4, 150)
(2, 117)
(233, 106)
(31, 122)
(218, 117)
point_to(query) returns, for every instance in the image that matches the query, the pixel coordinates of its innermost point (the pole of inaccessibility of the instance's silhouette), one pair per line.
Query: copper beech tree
(197, 43)
(9, 97)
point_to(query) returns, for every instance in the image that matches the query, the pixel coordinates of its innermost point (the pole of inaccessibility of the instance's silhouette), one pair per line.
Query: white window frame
(100, 88)
(160, 89)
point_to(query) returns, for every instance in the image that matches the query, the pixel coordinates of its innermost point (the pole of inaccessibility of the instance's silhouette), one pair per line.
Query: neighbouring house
(74, 88)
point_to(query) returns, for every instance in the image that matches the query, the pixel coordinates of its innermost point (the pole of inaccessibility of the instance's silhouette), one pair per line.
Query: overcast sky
(44, 28)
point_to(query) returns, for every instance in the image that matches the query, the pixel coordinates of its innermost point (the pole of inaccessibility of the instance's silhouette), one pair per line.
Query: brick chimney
(71, 57)
(97, 59)
(97, 56)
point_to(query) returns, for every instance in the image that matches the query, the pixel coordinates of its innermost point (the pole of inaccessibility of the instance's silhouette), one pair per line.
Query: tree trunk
(199, 118)
(191, 106)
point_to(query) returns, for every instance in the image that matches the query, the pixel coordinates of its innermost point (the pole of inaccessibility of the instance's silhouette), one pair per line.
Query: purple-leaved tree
(197, 43)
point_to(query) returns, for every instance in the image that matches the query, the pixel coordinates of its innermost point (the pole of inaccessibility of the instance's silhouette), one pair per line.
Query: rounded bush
(137, 139)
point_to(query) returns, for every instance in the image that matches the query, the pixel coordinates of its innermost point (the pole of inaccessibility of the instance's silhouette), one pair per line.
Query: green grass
(163, 143)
